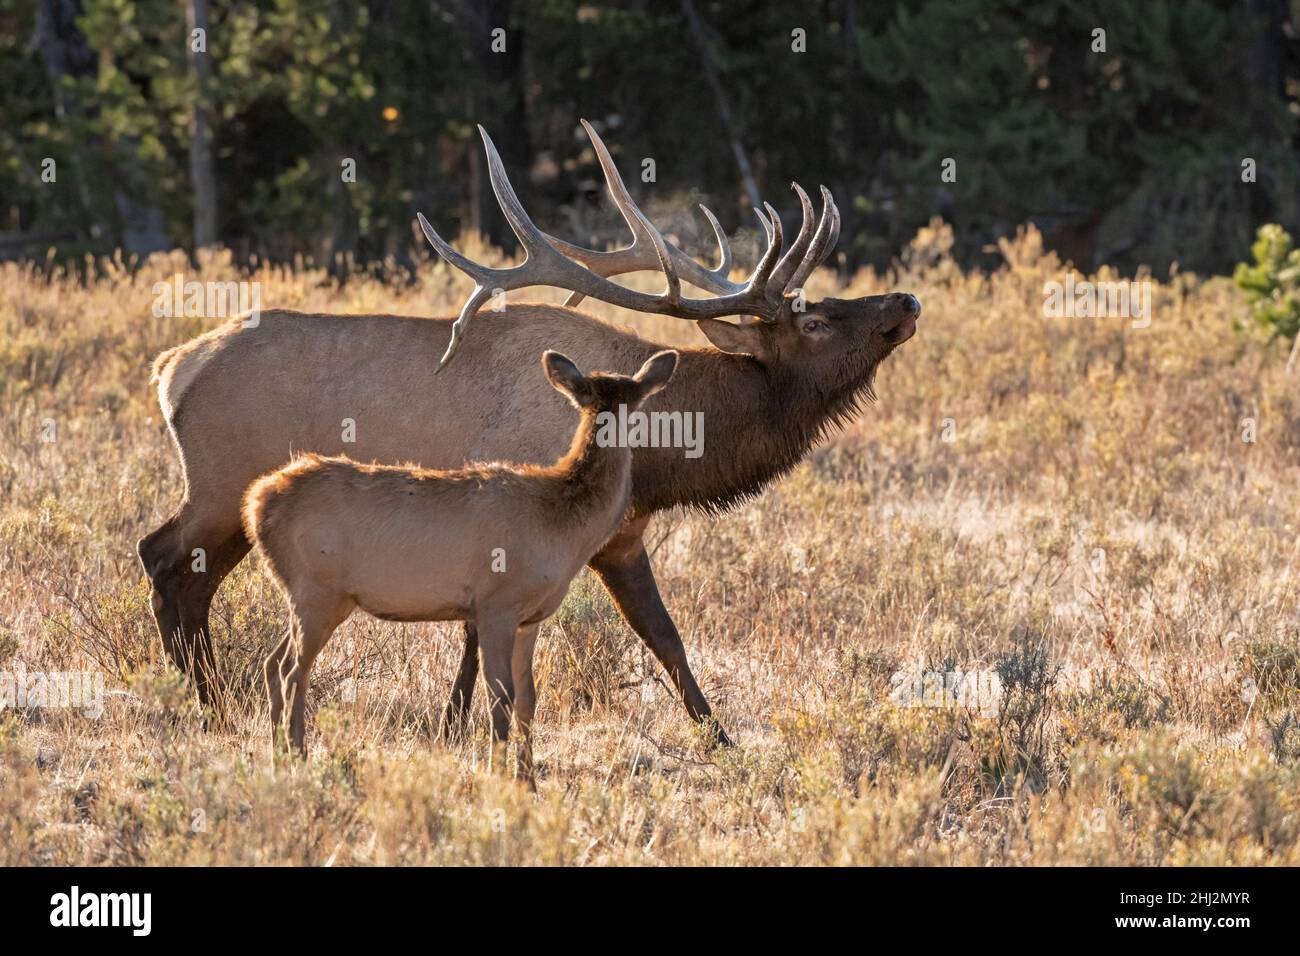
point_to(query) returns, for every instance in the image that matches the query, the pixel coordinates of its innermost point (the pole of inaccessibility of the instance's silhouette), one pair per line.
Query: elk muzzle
(898, 317)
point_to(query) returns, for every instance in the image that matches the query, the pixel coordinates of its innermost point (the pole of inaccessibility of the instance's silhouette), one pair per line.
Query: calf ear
(744, 339)
(564, 376)
(656, 372)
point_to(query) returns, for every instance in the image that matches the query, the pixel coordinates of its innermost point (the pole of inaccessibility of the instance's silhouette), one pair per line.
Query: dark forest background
(1129, 156)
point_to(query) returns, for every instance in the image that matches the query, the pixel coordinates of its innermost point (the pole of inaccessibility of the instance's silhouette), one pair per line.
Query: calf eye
(811, 326)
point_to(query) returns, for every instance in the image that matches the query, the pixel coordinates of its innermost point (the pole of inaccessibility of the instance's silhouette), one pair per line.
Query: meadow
(1104, 516)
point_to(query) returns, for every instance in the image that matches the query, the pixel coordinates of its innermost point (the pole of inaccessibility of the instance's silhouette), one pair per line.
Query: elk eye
(815, 325)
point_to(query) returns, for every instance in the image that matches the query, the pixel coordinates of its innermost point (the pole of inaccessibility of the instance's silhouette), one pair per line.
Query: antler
(554, 262)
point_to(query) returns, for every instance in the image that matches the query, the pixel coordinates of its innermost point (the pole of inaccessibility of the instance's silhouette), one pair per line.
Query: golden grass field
(1068, 501)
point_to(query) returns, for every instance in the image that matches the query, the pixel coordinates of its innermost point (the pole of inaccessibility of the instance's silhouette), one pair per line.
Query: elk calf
(494, 544)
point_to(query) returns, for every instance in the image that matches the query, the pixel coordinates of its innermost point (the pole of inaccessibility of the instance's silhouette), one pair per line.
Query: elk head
(833, 346)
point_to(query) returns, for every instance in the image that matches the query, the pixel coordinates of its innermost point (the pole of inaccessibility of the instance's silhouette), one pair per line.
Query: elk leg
(521, 667)
(496, 642)
(181, 595)
(198, 589)
(624, 567)
(456, 715)
(162, 559)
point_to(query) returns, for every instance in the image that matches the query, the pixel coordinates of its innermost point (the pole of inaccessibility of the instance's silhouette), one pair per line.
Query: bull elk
(411, 544)
(237, 400)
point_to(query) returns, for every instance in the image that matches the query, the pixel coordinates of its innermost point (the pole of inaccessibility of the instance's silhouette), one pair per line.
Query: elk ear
(656, 372)
(564, 375)
(744, 339)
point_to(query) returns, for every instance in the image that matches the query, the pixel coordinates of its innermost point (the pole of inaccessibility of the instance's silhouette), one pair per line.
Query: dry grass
(1098, 531)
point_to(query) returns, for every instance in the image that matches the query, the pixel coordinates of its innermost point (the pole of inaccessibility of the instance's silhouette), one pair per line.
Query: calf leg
(276, 669)
(496, 635)
(521, 669)
(316, 621)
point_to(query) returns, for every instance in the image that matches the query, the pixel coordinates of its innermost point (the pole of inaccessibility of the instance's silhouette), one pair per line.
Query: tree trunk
(66, 53)
(500, 104)
(724, 108)
(202, 177)
(110, 212)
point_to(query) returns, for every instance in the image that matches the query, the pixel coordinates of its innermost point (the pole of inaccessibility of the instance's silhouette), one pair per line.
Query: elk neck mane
(759, 423)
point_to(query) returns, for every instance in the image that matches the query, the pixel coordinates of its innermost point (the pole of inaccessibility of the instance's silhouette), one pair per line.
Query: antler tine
(628, 259)
(723, 268)
(833, 234)
(444, 249)
(482, 276)
(475, 302)
(828, 231)
(834, 238)
(712, 280)
(638, 256)
(636, 220)
(760, 280)
(794, 255)
(673, 293)
(632, 215)
(763, 271)
(530, 237)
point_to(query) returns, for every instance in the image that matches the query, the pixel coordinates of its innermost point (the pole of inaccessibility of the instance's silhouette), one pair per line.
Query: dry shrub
(1071, 502)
